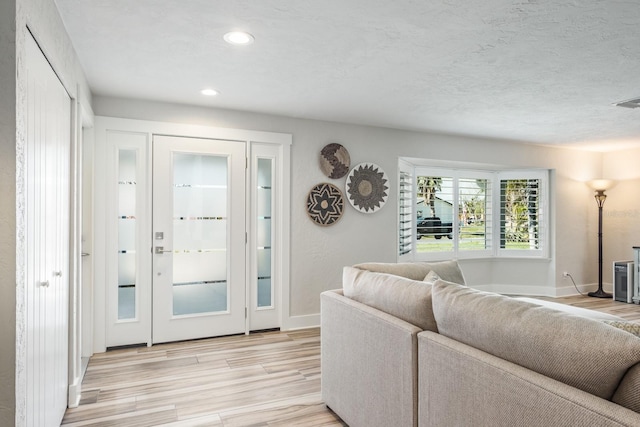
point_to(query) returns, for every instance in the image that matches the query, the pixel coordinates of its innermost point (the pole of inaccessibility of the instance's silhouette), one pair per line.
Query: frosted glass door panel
(199, 233)
(263, 238)
(264, 233)
(127, 234)
(200, 214)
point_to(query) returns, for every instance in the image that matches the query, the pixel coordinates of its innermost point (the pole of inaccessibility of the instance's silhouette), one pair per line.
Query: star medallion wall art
(325, 204)
(367, 187)
(334, 160)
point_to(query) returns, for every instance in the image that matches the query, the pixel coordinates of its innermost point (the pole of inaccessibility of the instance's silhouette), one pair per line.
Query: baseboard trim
(542, 291)
(74, 395)
(301, 322)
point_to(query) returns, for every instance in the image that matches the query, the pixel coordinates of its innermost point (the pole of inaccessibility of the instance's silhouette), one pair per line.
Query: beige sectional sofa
(410, 345)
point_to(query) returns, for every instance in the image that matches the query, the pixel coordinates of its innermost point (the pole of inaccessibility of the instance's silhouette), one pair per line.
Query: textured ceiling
(541, 71)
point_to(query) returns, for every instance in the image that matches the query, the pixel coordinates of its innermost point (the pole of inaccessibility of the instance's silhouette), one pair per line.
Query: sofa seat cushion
(578, 351)
(446, 270)
(406, 299)
(628, 392)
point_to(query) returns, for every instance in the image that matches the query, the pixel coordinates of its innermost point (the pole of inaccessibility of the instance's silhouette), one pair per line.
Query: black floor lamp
(600, 185)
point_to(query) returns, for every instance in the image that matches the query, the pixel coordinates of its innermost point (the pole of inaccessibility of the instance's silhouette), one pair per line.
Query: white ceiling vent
(629, 103)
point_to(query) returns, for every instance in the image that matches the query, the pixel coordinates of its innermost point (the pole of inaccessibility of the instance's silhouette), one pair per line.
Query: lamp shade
(601, 184)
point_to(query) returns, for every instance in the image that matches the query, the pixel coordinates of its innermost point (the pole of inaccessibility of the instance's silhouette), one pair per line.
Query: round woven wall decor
(367, 187)
(325, 204)
(334, 160)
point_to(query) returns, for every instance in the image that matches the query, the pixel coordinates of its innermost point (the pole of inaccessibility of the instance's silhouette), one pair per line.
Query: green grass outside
(472, 239)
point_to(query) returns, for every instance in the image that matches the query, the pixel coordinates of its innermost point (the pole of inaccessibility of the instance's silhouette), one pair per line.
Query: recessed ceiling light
(238, 38)
(209, 92)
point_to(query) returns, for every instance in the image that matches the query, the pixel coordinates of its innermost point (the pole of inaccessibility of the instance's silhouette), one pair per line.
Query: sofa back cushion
(406, 299)
(581, 352)
(571, 309)
(446, 270)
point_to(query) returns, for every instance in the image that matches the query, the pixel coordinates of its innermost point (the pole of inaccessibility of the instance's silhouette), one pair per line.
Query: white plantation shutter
(406, 214)
(523, 224)
(475, 213)
(436, 218)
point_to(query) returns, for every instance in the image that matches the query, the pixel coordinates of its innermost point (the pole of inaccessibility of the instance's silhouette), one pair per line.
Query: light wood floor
(264, 379)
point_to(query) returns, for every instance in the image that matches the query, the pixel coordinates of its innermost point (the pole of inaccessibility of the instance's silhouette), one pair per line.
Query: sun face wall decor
(367, 187)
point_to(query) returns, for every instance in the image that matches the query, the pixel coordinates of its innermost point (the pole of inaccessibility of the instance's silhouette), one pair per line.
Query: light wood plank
(263, 379)
(270, 378)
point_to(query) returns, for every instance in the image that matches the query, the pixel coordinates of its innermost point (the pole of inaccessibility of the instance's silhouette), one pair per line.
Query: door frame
(281, 143)
(80, 311)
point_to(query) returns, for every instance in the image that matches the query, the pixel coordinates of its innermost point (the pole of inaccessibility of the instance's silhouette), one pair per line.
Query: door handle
(160, 250)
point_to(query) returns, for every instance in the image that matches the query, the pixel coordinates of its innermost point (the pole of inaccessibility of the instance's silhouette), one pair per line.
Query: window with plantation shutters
(457, 213)
(475, 213)
(523, 217)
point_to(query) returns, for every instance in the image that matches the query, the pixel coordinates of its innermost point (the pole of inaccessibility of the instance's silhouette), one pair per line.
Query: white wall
(621, 214)
(7, 211)
(319, 253)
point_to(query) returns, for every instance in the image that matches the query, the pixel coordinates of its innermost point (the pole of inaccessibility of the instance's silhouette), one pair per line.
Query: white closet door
(47, 219)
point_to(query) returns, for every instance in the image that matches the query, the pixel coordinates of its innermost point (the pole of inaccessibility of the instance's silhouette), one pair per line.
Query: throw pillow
(410, 270)
(431, 277)
(403, 298)
(447, 270)
(631, 327)
(575, 350)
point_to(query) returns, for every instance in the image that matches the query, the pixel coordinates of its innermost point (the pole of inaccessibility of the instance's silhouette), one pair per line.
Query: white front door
(191, 232)
(198, 238)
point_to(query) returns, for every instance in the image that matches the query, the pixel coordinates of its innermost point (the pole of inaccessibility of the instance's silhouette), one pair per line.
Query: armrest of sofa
(462, 386)
(369, 363)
